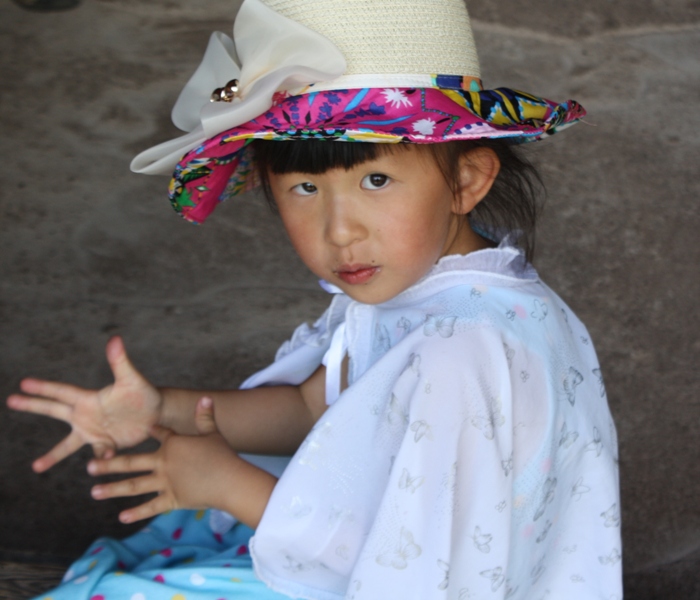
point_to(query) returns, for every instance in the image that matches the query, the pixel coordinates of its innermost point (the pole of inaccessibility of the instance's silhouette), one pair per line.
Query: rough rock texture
(88, 249)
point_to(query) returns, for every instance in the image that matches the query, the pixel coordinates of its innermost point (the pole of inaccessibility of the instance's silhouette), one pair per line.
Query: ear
(478, 169)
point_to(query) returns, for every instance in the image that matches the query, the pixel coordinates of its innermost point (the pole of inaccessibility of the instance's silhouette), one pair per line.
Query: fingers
(204, 416)
(125, 463)
(64, 392)
(39, 406)
(135, 486)
(156, 506)
(64, 448)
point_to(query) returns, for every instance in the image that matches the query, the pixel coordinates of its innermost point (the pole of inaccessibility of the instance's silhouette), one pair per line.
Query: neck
(463, 239)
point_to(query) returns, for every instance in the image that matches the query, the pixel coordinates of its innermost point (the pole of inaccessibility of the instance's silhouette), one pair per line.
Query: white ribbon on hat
(268, 53)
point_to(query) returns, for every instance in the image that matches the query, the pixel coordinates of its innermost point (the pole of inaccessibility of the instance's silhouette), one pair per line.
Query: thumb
(119, 362)
(102, 450)
(204, 416)
(161, 433)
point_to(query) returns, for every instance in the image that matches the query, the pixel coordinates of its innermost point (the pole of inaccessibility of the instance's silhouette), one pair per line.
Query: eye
(305, 189)
(374, 181)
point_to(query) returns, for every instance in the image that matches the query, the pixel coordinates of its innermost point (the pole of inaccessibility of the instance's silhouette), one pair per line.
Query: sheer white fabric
(473, 454)
(268, 53)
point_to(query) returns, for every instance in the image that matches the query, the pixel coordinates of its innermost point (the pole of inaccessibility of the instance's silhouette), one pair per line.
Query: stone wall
(88, 249)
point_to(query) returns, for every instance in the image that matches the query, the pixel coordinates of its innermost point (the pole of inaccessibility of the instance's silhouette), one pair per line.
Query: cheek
(429, 233)
(297, 231)
(303, 237)
(299, 222)
(416, 251)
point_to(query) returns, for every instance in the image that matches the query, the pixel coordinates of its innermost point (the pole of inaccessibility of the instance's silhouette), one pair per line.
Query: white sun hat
(382, 71)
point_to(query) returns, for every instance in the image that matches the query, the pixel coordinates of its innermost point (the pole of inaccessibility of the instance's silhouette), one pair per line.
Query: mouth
(356, 274)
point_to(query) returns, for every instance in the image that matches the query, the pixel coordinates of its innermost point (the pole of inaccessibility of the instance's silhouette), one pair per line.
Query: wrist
(244, 490)
(166, 410)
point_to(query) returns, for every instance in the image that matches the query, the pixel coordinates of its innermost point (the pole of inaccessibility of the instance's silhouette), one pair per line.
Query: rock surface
(88, 249)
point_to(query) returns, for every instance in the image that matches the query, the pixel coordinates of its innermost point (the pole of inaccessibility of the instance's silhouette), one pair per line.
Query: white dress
(473, 454)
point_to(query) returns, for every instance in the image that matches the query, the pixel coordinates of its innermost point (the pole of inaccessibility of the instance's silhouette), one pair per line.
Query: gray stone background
(88, 249)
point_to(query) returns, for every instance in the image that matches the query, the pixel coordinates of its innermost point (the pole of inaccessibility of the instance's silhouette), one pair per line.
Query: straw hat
(385, 71)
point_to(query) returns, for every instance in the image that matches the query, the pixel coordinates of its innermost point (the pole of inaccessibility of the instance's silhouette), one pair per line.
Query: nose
(344, 223)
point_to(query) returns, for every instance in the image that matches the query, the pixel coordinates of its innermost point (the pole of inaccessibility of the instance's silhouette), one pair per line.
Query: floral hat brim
(223, 166)
(294, 73)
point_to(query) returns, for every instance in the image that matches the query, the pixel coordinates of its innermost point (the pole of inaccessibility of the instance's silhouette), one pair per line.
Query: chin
(366, 296)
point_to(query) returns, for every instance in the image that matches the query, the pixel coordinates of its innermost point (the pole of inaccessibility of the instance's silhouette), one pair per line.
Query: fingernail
(206, 402)
(92, 468)
(124, 518)
(97, 491)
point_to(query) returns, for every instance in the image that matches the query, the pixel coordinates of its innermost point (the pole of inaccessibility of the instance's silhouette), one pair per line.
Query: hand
(117, 416)
(185, 472)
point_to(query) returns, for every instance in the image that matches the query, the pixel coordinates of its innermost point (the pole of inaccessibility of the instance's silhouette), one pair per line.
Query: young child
(446, 415)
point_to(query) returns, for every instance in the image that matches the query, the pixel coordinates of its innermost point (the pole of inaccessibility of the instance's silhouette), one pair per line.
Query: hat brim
(221, 167)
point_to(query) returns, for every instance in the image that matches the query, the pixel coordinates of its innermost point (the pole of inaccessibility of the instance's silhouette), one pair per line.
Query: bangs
(314, 156)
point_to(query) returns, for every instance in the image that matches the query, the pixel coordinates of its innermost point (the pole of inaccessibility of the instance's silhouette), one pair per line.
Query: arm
(266, 420)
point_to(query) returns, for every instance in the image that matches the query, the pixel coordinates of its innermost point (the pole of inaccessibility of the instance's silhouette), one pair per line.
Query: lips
(356, 274)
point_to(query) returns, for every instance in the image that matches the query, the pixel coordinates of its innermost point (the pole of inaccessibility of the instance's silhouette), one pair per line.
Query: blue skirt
(181, 555)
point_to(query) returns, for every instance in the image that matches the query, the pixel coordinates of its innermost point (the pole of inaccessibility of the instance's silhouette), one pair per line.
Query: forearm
(246, 490)
(268, 420)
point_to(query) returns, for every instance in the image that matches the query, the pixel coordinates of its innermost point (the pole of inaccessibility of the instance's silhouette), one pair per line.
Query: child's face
(373, 230)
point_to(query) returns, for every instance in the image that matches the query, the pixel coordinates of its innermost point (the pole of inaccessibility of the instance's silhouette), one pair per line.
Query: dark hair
(511, 206)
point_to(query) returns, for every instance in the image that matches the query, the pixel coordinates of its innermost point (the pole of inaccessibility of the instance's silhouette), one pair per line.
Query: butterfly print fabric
(442, 471)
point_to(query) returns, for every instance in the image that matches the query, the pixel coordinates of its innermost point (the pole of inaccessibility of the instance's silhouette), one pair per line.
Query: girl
(446, 414)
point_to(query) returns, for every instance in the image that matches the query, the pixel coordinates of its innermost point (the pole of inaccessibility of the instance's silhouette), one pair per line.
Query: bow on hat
(268, 53)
